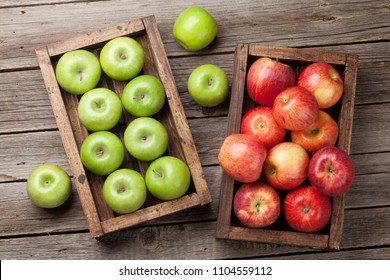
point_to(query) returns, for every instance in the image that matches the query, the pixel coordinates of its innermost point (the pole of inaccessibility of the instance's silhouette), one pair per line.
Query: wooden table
(29, 135)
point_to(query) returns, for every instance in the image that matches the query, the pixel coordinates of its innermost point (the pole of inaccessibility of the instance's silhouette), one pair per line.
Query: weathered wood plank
(326, 23)
(21, 153)
(359, 254)
(371, 129)
(20, 217)
(13, 3)
(363, 228)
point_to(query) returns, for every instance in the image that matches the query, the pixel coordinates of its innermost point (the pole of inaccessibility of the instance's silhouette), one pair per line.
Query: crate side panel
(295, 54)
(69, 142)
(345, 122)
(97, 38)
(279, 237)
(235, 112)
(177, 110)
(150, 213)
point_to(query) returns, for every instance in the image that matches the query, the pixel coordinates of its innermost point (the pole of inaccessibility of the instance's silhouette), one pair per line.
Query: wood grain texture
(363, 228)
(326, 23)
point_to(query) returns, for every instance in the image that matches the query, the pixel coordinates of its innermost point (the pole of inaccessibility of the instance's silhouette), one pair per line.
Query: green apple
(78, 71)
(195, 29)
(168, 178)
(122, 58)
(124, 191)
(48, 186)
(208, 85)
(102, 152)
(143, 96)
(146, 138)
(99, 109)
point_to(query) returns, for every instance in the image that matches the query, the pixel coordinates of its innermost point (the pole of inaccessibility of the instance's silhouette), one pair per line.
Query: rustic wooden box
(100, 218)
(228, 226)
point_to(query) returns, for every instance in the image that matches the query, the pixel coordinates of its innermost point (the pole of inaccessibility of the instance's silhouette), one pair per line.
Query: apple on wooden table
(306, 210)
(122, 58)
(146, 138)
(78, 71)
(168, 178)
(124, 191)
(143, 96)
(208, 85)
(242, 156)
(99, 109)
(260, 122)
(195, 28)
(256, 205)
(266, 78)
(48, 186)
(102, 152)
(324, 82)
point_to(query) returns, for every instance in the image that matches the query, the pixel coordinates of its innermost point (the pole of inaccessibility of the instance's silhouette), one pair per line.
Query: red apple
(306, 210)
(266, 78)
(322, 133)
(323, 81)
(285, 166)
(242, 156)
(260, 121)
(331, 171)
(256, 205)
(295, 108)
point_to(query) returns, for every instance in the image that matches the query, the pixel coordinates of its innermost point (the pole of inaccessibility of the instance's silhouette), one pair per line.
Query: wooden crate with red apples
(228, 225)
(100, 218)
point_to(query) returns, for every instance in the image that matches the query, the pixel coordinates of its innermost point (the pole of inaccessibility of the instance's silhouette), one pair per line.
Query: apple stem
(122, 56)
(159, 174)
(98, 105)
(314, 131)
(81, 75)
(100, 152)
(330, 169)
(140, 96)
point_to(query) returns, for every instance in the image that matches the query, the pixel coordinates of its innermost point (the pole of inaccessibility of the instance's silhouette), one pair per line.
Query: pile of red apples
(284, 158)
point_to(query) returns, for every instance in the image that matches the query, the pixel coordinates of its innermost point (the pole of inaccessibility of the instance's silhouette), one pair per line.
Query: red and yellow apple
(306, 210)
(266, 78)
(295, 108)
(242, 156)
(323, 81)
(286, 165)
(331, 171)
(260, 122)
(256, 205)
(322, 133)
